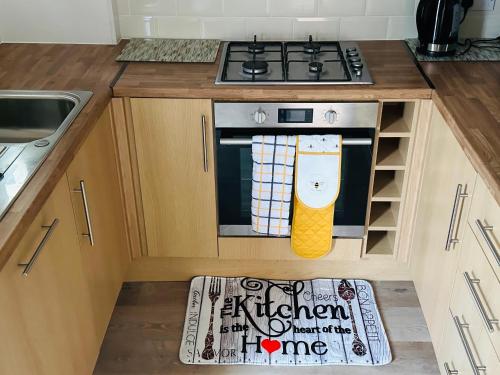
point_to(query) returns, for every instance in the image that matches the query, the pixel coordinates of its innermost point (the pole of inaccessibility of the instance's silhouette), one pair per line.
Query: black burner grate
(298, 62)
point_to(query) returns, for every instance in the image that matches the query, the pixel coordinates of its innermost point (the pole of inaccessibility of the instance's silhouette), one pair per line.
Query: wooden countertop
(389, 62)
(53, 67)
(466, 93)
(468, 96)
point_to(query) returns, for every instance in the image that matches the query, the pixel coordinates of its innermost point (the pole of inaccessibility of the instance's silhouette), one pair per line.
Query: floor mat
(274, 322)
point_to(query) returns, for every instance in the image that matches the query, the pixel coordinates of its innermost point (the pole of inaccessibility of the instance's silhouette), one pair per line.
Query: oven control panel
(295, 115)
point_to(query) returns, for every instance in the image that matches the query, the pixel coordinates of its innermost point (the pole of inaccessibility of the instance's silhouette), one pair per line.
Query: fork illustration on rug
(213, 294)
(347, 293)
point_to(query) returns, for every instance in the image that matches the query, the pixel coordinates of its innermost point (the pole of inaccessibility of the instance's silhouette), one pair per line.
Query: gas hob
(278, 63)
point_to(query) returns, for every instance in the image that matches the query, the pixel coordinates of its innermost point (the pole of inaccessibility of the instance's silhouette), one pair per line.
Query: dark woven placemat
(171, 50)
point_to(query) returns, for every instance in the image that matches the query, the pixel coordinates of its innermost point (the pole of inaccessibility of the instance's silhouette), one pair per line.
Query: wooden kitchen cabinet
(45, 315)
(447, 186)
(96, 196)
(174, 143)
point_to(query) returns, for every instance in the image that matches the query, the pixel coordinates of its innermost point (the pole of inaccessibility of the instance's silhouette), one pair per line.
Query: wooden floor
(144, 335)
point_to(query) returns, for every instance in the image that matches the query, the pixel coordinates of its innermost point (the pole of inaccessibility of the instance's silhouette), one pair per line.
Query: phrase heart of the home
(245, 320)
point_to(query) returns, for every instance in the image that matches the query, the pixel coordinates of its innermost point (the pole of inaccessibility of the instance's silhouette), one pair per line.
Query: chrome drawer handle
(448, 370)
(204, 136)
(88, 220)
(484, 229)
(50, 229)
(470, 283)
(450, 240)
(460, 328)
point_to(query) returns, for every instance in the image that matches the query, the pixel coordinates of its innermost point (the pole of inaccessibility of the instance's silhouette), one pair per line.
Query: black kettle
(438, 22)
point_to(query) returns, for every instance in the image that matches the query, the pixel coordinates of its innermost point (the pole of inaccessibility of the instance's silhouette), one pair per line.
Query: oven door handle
(248, 141)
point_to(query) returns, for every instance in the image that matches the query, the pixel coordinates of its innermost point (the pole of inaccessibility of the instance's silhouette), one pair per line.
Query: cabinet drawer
(451, 358)
(477, 284)
(484, 218)
(465, 349)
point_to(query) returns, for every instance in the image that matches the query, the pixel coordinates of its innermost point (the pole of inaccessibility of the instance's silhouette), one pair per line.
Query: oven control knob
(331, 116)
(259, 116)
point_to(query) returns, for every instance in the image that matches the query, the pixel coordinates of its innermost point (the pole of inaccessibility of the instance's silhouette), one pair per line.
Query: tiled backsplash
(284, 19)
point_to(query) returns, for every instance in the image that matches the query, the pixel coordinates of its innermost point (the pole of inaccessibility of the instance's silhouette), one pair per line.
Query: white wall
(100, 21)
(284, 19)
(58, 21)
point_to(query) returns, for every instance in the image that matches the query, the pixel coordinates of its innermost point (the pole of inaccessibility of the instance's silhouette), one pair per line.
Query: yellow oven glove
(317, 185)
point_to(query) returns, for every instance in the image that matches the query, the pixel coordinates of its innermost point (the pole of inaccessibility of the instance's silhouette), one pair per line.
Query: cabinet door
(47, 325)
(97, 204)
(441, 217)
(174, 141)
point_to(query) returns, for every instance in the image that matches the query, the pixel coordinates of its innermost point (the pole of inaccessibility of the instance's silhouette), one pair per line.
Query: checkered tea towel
(272, 181)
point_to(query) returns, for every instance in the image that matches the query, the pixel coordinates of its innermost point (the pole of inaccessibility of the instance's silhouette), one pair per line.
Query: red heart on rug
(270, 345)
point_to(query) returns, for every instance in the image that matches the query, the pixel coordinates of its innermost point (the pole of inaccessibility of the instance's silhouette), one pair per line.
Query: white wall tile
(341, 8)
(138, 26)
(292, 8)
(224, 28)
(245, 8)
(123, 7)
(475, 25)
(363, 28)
(319, 28)
(202, 8)
(179, 27)
(153, 7)
(270, 28)
(390, 7)
(402, 28)
(58, 21)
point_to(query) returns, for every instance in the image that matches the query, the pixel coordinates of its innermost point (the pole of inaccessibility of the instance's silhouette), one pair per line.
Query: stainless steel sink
(31, 123)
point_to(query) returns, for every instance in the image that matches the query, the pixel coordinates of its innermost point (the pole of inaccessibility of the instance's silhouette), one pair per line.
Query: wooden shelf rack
(392, 155)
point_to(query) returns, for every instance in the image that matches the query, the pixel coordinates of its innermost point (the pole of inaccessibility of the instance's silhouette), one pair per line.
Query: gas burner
(256, 48)
(310, 47)
(254, 67)
(315, 67)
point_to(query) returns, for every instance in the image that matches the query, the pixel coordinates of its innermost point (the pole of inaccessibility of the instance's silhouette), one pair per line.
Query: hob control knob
(259, 116)
(331, 116)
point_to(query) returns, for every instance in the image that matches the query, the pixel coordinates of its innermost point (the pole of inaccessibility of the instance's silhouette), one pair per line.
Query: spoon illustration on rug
(213, 294)
(347, 293)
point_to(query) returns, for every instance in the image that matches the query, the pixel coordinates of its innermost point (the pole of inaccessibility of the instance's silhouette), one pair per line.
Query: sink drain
(41, 143)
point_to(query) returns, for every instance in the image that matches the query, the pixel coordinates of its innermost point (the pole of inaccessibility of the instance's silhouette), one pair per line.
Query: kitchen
(129, 133)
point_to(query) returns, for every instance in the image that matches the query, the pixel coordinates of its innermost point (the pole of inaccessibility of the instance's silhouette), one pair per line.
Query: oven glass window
(234, 179)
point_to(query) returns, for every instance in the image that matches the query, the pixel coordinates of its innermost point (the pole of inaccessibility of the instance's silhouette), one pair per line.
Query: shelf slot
(387, 186)
(383, 216)
(380, 243)
(391, 154)
(396, 119)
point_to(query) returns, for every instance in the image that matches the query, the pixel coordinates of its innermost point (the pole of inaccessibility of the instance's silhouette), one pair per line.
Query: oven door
(234, 179)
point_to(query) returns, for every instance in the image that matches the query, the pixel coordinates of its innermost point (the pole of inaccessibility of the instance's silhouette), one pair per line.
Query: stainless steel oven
(236, 123)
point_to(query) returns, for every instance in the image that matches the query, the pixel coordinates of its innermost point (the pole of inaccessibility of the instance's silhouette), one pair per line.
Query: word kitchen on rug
(275, 322)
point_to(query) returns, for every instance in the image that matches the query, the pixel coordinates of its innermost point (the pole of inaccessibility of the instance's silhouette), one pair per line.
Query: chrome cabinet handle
(50, 229)
(460, 328)
(448, 370)
(450, 240)
(204, 136)
(484, 229)
(88, 220)
(470, 283)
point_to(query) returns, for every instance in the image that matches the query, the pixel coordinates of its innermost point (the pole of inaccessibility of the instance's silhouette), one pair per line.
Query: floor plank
(144, 335)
